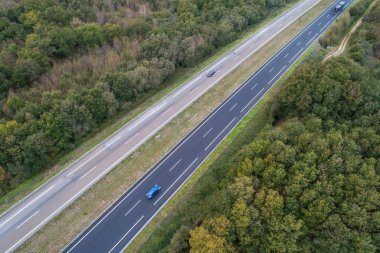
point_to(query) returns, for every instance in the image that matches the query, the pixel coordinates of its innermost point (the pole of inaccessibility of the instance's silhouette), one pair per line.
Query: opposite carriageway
(118, 226)
(21, 221)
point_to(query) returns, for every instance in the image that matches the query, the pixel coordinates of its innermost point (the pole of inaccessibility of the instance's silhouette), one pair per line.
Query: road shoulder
(113, 185)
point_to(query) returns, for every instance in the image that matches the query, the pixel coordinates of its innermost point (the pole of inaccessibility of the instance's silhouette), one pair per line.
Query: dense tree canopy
(342, 25)
(39, 31)
(45, 115)
(310, 182)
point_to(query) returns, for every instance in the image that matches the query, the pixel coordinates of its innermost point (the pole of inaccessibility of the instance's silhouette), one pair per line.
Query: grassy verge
(257, 118)
(151, 238)
(333, 36)
(340, 49)
(93, 202)
(124, 117)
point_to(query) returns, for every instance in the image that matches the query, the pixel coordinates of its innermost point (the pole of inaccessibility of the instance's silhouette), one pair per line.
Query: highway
(34, 211)
(118, 226)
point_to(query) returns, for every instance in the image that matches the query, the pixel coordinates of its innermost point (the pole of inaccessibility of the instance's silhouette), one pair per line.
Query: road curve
(119, 225)
(39, 207)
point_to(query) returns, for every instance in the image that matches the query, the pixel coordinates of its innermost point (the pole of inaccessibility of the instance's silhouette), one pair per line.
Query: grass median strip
(256, 119)
(181, 76)
(93, 202)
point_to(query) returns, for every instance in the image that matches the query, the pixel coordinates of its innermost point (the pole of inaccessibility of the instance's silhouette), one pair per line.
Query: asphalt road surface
(30, 214)
(118, 226)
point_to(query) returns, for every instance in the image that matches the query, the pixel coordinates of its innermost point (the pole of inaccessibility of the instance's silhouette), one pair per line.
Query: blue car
(153, 191)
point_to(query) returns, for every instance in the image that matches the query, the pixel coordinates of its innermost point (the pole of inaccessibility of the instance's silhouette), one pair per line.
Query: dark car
(211, 73)
(153, 191)
(339, 7)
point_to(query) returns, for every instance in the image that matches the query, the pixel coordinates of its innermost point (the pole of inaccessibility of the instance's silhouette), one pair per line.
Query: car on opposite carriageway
(211, 73)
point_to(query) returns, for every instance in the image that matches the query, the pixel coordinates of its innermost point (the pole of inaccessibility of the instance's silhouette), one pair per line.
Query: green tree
(25, 72)
(240, 215)
(89, 35)
(58, 15)
(62, 40)
(111, 31)
(29, 19)
(3, 174)
(202, 241)
(138, 27)
(179, 242)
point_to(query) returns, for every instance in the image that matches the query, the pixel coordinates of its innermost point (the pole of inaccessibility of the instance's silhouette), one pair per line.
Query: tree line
(310, 182)
(39, 126)
(342, 25)
(36, 33)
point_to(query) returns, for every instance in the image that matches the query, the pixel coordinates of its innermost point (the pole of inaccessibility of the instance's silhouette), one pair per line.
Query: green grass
(93, 202)
(249, 127)
(325, 51)
(243, 133)
(125, 116)
(185, 191)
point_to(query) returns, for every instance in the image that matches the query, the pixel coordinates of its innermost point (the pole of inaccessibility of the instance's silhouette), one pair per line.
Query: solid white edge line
(133, 188)
(110, 137)
(54, 213)
(84, 189)
(137, 117)
(158, 210)
(210, 115)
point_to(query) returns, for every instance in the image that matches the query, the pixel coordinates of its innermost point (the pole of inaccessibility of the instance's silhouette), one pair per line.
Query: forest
(68, 66)
(340, 27)
(308, 182)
